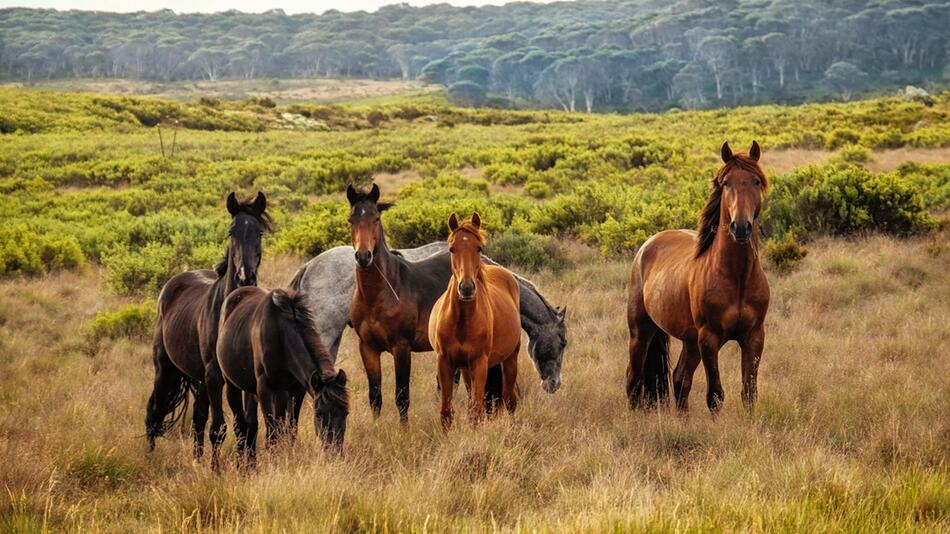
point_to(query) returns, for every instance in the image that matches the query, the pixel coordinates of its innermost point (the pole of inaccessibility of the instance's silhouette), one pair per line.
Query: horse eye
(757, 182)
(451, 250)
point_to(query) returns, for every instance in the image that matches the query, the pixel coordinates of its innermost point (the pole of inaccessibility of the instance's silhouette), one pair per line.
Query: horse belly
(182, 345)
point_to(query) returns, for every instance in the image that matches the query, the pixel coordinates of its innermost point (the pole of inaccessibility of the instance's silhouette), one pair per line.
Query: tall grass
(851, 432)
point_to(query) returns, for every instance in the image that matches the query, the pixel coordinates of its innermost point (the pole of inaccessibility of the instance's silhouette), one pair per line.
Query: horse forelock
(468, 227)
(709, 219)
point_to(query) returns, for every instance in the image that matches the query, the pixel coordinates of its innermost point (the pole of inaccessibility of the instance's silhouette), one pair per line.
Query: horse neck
(737, 261)
(224, 285)
(535, 312)
(382, 277)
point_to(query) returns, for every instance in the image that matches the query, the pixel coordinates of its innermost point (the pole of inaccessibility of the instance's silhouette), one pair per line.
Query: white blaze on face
(241, 274)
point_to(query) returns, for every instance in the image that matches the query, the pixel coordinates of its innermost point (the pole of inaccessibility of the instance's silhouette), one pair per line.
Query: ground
(850, 433)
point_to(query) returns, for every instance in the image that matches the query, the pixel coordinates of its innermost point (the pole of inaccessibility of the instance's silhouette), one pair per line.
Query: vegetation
(586, 55)
(88, 179)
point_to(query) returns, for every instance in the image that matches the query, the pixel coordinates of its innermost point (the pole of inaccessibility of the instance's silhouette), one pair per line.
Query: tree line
(579, 56)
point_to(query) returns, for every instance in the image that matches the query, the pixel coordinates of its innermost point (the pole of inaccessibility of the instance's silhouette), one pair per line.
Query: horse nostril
(732, 227)
(748, 227)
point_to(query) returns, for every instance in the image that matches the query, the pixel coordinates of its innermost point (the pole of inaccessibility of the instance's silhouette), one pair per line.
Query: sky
(250, 6)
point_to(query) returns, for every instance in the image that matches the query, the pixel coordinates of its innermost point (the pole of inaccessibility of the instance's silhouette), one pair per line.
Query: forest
(613, 55)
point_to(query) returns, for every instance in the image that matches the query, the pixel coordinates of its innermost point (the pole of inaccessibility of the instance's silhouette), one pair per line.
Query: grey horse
(329, 280)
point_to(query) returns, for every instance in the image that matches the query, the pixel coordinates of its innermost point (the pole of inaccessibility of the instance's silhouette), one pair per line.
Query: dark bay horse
(704, 288)
(268, 350)
(392, 301)
(475, 324)
(183, 350)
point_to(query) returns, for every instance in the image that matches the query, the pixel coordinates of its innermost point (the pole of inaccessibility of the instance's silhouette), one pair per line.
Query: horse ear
(260, 203)
(561, 313)
(340, 378)
(476, 220)
(352, 196)
(726, 152)
(755, 152)
(233, 204)
(374, 193)
(453, 222)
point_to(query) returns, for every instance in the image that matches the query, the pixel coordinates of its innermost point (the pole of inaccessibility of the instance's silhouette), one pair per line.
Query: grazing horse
(704, 288)
(268, 349)
(329, 279)
(187, 329)
(393, 299)
(475, 324)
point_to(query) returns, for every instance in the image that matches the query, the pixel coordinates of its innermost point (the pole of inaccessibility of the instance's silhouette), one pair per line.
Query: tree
(467, 93)
(719, 52)
(844, 78)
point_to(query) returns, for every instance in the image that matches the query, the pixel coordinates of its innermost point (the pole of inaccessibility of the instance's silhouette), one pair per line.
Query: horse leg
(370, 358)
(236, 402)
(478, 370)
(751, 355)
(266, 397)
(709, 345)
(169, 389)
(683, 374)
(402, 357)
(200, 417)
(494, 389)
(296, 403)
(214, 382)
(250, 419)
(509, 369)
(642, 330)
(446, 378)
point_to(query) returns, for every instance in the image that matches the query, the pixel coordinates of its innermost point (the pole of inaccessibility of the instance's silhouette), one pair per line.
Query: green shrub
(932, 180)
(321, 226)
(25, 251)
(132, 321)
(846, 200)
(841, 137)
(785, 254)
(526, 251)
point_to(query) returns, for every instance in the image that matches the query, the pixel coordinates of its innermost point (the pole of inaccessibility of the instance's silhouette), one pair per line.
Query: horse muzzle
(467, 291)
(364, 258)
(741, 231)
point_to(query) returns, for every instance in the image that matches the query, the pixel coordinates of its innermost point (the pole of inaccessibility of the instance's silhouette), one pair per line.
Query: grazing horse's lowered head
(331, 406)
(366, 230)
(249, 221)
(547, 347)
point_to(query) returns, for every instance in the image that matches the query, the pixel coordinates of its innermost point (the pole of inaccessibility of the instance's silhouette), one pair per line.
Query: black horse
(183, 350)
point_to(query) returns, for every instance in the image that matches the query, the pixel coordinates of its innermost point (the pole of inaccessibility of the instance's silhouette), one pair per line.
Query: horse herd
(220, 336)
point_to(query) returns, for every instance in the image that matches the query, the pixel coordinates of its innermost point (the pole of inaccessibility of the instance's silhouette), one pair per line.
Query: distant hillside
(588, 55)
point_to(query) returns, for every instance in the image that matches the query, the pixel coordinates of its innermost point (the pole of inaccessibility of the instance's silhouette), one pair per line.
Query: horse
(392, 301)
(268, 350)
(475, 324)
(183, 348)
(704, 288)
(329, 278)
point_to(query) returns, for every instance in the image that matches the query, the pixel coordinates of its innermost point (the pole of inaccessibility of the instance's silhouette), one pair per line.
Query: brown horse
(269, 351)
(188, 308)
(475, 324)
(392, 301)
(704, 288)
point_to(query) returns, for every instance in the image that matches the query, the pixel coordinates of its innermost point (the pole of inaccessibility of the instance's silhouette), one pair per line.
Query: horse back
(660, 279)
(181, 304)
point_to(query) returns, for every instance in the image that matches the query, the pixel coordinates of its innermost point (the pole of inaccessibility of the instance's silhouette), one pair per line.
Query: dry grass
(851, 431)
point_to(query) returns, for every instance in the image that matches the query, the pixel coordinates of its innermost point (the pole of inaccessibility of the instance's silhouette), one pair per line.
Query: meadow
(850, 433)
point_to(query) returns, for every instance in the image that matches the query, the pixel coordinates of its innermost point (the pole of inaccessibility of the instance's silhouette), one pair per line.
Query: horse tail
(656, 369)
(169, 400)
(298, 278)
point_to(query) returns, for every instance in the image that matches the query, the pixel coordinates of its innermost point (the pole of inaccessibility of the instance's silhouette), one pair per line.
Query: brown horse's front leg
(268, 401)
(446, 379)
(478, 369)
(509, 369)
(402, 357)
(709, 345)
(200, 418)
(215, 386)
(683, 374)
(751, 355)
(374, 376)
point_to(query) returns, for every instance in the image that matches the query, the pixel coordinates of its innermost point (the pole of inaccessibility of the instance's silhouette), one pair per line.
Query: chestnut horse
(392, 301)
(269, 350)
(704, 288)
(475, 324)
(187, 331)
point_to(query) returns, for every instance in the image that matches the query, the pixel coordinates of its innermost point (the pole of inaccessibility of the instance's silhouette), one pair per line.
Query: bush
(843, 201)
(132, 321)
(932, 180)
(27, 252)
(527, 251)
(322, 225)
(785, 254)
